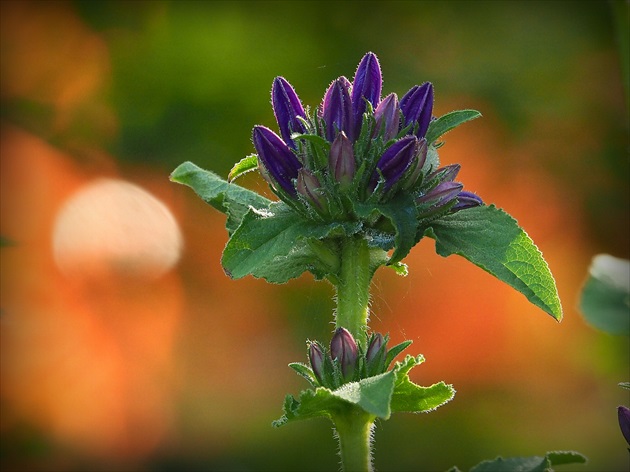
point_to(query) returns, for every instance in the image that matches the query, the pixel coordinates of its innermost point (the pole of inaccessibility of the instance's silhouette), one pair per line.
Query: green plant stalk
(353, 426)
(353, 288)
(354, 429)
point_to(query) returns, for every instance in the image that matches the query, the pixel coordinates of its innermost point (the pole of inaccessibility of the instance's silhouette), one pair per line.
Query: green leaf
(491, 239)
(530, 464)
(514, 464)
(449, 121)
(394, 351)
(380, 396)
(372, 395)
(400, 268)
(247, 164)
(233, 200)
(605, 297)
(565, 457)
(273, 244)
(402, 214)
(306, 372)
(411, 398)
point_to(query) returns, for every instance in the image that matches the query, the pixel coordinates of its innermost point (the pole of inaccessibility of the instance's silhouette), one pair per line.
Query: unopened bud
(316, 358)
(342, 163)
(309, 186)
(344, 349)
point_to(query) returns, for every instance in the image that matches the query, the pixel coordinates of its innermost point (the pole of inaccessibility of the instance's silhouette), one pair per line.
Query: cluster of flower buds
(346, 361)
(356, 147)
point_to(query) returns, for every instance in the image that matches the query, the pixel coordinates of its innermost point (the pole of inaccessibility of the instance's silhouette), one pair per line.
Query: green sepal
(491, 239)
(245, 165)
(319, 148)
(231, 199)
(447, 122)
(530, 464)
(379, 396)
(394, 351)
(306, 372)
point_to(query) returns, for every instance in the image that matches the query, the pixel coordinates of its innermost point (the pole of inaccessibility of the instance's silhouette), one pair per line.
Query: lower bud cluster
(346, 361)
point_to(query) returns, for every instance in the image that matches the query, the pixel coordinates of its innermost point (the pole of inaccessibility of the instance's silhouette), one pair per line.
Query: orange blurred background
(125, 346)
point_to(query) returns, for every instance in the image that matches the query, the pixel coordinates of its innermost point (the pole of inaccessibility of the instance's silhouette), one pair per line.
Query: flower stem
(354, 429)
(353, 288)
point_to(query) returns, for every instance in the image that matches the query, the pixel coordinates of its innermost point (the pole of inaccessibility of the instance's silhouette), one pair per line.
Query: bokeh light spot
(113, 227)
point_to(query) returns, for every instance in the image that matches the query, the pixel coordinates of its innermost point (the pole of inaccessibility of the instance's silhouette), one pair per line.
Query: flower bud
(316, 358)
(367, 85)
(441, 194)
(387, 117)
(336, 110)
(417, 107)
(280, 163)
(445, 174)
(395, 161)
(375, 345)
(287, 107)
(466, 200)
(344, 349)
(417, 164)
(341, 161)
(309, 186)
(624, 422)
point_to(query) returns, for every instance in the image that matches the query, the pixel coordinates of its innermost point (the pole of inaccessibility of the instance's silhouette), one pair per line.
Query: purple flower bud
(316, 358)
(280, 163)
(395, 161)
(287, 107)
(344, 348)
(418, 163)
(309, 186)
(374, 346)
(341, 161)
(367, 85)
(417, 107)
(467, 200)
(441, 194)
(445, 174)
(336, 110)
(387, 117)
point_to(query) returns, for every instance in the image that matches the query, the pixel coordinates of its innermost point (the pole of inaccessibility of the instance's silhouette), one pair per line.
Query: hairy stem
(353, 288)
(354, 429)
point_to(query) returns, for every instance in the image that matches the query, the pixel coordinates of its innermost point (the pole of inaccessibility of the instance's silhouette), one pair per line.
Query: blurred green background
(186, 370)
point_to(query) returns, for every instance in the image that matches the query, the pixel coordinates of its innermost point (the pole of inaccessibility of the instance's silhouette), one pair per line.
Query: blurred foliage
(153, 83)
(605, 297)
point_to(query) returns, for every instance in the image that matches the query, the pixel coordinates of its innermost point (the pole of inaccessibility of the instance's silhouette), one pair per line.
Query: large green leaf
(273, 243)
(493, 240)
(231, 199)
